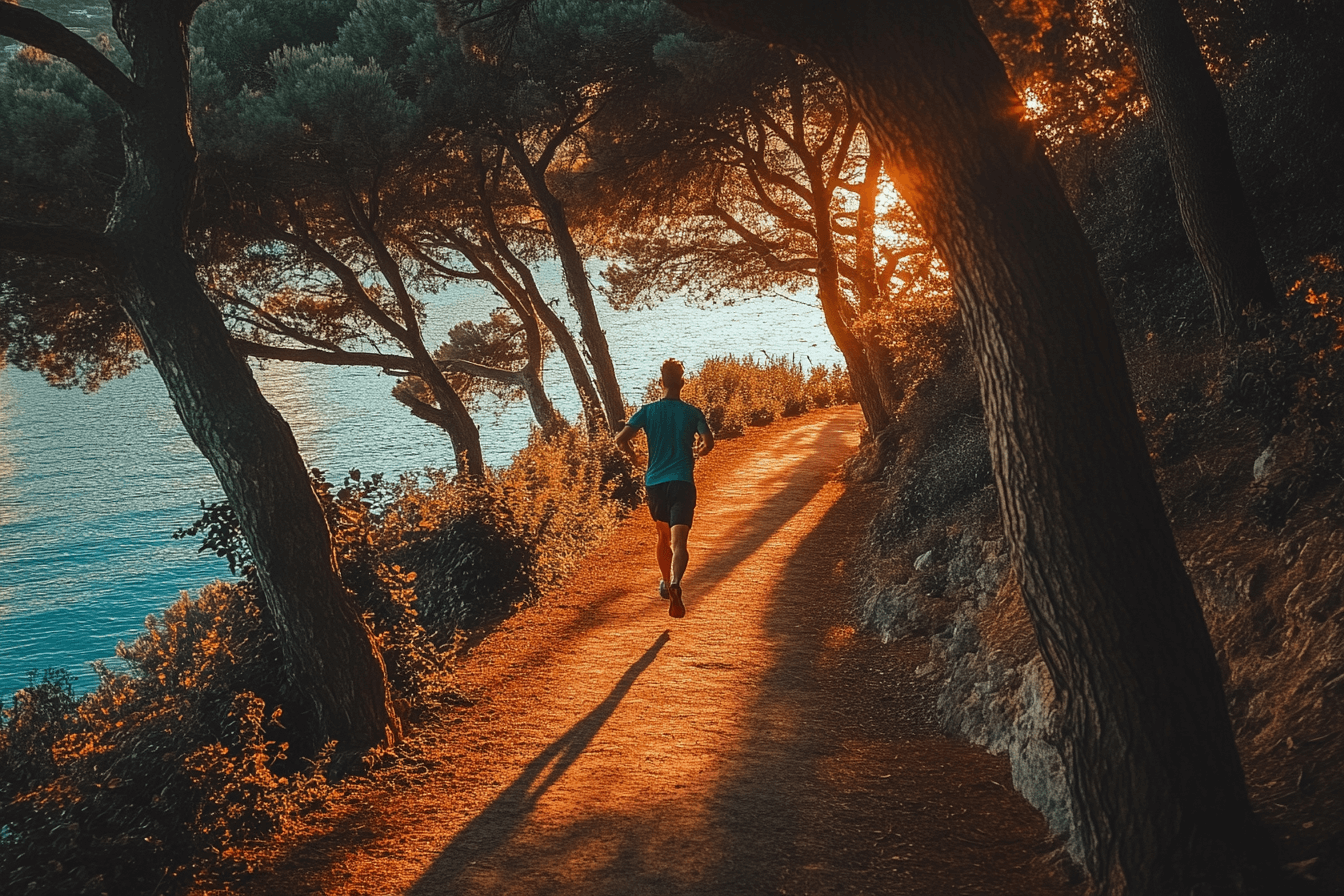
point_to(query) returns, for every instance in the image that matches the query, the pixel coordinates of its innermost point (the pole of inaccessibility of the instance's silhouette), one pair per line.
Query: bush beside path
(757, 746)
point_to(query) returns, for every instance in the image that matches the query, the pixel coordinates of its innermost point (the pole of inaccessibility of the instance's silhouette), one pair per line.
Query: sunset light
(535, 447)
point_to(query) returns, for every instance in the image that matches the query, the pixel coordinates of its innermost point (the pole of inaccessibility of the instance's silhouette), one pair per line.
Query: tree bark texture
(861, 375)
(1157, 787)
(593, 416)
(865, 281)
(580, 290)
(1193, 124)
(329, 650)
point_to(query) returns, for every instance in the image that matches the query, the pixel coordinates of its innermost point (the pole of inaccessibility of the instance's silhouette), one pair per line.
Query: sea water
(93, 485)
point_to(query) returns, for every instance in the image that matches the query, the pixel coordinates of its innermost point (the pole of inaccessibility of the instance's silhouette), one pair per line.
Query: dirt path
(758, 746)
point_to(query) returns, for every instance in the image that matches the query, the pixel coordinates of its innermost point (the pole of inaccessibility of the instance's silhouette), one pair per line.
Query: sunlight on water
(92, 486)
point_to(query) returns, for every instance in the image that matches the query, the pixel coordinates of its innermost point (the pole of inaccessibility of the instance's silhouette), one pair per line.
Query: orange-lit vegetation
(1073, 69)
(169, 768)
(735, 393)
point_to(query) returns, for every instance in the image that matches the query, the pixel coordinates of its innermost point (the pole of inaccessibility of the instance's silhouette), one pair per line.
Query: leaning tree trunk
(453, 417)
(865, 265)
(564, 340)
(1159, 796)
(832, 301)
(580, 290)
(1193, 124)
(861, 375)
(328, 649)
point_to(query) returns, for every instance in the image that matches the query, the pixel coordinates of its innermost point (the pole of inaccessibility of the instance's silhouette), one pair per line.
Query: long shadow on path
(494, 827)
(844, 784)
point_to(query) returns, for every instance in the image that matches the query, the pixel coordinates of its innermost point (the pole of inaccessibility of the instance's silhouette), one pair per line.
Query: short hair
(673, 373)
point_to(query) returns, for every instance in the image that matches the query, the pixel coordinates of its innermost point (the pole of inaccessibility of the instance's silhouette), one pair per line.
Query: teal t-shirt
(671, 425)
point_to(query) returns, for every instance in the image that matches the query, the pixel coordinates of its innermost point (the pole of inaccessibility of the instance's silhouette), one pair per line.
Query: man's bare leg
(679, 555)
(665, 551)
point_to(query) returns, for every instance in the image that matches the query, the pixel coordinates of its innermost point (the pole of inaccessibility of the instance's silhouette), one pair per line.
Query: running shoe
(676, 609)
(662, 589)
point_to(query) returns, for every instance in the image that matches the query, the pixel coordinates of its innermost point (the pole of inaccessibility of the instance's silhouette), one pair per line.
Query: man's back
(671, 425)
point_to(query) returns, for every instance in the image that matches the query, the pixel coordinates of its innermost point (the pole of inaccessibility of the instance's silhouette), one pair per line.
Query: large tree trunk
(1149, 757)
(1193, 124)
(330, 653)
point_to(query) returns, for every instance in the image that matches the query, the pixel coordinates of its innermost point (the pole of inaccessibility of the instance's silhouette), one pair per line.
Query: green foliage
(318, 98)
(60, 158)
(60, 132)
(734, 393)
(241, 35)
(390, 34)
(431, 555)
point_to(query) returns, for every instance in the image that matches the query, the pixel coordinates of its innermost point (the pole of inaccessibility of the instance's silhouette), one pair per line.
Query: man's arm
(623, 440)
(706, 442)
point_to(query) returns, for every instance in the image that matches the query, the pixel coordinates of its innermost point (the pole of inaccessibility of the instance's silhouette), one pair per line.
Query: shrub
(473, 567)
(180, 758)
(828, 386)
(482, 548)
(735, 393)
(419, 669)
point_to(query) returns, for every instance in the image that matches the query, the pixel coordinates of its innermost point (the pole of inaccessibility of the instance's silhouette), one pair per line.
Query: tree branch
(482, 371)
(33, 28)
(270, 322)
(761, 248)
(425, 411)
(387, 265)
(300, 239)
(46, 239)
(393, 364)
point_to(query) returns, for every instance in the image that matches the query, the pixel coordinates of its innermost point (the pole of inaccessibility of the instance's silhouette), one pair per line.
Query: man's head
(674, 375)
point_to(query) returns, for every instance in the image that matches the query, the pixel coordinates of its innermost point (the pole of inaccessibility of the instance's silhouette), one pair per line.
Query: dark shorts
(671, 502)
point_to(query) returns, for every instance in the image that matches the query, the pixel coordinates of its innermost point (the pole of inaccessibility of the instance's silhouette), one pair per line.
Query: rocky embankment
(1272, 593)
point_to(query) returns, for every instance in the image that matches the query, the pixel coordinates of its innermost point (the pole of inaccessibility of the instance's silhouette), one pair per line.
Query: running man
(672, 426)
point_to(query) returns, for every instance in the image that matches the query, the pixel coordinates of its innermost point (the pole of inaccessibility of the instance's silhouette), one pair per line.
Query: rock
(1263, 464)
(965, 560)
(989, 700)
(892, 613)
(924, 561)
(989, 577)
